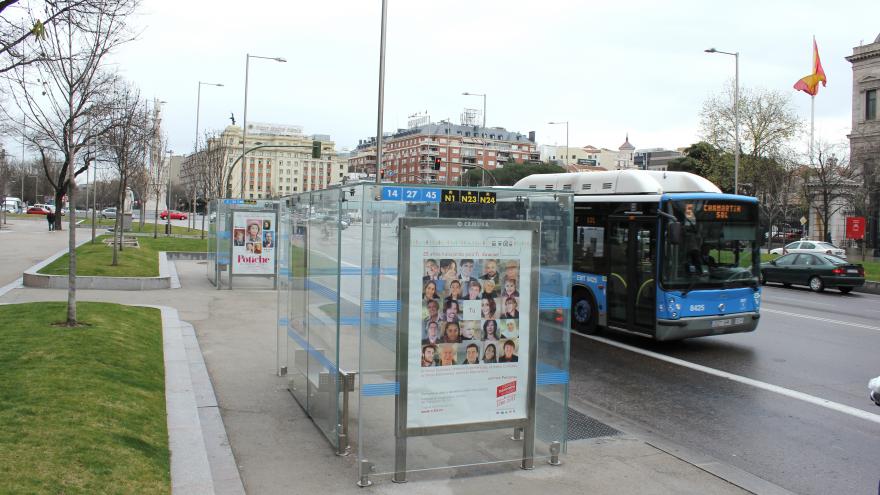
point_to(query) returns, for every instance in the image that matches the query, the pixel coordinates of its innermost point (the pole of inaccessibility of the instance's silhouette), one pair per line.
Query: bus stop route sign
(855, 227)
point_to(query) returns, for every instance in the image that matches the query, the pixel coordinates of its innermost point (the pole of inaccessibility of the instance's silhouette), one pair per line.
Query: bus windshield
(718, 247)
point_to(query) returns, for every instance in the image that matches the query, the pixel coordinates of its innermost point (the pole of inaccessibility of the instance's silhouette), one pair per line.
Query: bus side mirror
(673, 233)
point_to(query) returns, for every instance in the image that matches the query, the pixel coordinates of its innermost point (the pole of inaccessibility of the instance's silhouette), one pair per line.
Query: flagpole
(812, 124)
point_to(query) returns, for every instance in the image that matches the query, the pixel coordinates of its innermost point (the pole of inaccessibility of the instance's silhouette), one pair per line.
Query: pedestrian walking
(50, 217)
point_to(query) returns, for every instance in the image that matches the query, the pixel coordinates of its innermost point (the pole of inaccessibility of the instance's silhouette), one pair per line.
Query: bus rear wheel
(583, 312)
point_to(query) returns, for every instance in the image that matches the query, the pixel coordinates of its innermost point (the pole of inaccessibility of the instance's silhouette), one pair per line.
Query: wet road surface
(824, 345)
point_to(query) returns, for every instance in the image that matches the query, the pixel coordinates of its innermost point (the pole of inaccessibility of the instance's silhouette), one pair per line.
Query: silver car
(108, 213)
(815, 247)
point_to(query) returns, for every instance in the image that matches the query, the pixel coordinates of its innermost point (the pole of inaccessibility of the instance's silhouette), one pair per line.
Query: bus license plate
(722, 323)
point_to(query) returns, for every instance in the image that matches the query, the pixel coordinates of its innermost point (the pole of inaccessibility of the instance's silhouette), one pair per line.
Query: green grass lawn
(148, 226)
(82, 410)
(95, 259)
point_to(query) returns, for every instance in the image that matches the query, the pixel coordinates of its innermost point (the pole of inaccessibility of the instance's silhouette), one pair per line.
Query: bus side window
(589, 249)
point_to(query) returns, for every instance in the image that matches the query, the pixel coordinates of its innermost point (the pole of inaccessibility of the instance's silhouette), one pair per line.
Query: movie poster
(253, 243)
(469, 322)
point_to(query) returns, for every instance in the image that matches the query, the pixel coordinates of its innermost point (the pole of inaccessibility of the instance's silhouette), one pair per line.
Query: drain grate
(581, 426)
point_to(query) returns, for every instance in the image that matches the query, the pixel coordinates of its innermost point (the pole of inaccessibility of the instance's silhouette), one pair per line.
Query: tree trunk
(71, 244)
(59, 197)
(156, 218)
(117, 224)
(204, 214)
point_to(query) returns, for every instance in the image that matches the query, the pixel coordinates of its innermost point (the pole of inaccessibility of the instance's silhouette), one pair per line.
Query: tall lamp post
(168, 195)
(566, 141)
(482, 174)
(198, 108)
(735, 116)
(247, 65)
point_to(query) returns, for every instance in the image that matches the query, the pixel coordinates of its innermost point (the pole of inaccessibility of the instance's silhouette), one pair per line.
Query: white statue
(129, 201)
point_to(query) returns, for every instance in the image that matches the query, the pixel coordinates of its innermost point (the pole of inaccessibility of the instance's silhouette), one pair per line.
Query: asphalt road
(824, 345)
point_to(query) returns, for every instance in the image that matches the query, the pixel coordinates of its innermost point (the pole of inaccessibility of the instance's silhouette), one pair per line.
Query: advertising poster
(253, 243)
(469, 322)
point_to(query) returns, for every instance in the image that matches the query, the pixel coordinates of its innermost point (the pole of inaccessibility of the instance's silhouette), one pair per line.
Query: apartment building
(285, 166)
(410, 155)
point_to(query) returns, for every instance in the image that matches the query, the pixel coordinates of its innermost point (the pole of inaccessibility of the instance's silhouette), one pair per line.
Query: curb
(870, 287)
(201, 458)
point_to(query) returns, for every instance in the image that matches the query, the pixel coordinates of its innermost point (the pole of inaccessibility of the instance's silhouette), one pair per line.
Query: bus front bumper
(702, 326)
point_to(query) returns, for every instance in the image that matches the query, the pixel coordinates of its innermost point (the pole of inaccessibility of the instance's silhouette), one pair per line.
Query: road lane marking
(794, 394)
(819, 318)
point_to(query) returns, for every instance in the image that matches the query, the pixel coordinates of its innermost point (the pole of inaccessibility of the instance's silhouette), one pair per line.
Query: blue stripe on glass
(283, 321)
(284, 272)
(379, 389)
(321, 358)
(223, 235)
(552, 378)
(350, 320)
(321, 290)
(382, 306)
(553, 301)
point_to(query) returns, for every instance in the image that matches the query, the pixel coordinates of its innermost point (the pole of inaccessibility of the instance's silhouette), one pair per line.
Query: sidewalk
(279, 450)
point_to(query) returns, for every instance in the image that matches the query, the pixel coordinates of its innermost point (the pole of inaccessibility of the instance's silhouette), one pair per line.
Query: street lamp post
(567, 166)
(198, 107)
(247, 65)
(168, 196)
(735, 116)
(482, 174)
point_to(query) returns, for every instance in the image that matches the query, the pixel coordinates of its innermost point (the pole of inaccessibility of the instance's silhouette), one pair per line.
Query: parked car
(108, 213)
(785, 233)
(810, 247)
(175, 215)
(38, 210)
(816, 271)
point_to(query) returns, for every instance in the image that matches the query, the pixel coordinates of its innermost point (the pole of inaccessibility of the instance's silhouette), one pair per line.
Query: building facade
(283, 167)
(410, 155)
(864, 140)
(655, 158)
(589, 156)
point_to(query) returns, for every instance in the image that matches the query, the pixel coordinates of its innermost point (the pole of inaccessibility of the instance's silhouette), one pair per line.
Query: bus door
(631, 288)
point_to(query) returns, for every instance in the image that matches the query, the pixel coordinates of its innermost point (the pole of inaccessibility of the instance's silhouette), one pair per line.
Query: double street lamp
(247, 66)
(735, 55)
(566, 140)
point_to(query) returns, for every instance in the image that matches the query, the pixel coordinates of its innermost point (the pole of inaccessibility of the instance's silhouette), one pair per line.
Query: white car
(108, 213)
(817, 247)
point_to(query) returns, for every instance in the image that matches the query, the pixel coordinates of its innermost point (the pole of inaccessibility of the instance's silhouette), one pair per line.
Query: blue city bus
(664, 255)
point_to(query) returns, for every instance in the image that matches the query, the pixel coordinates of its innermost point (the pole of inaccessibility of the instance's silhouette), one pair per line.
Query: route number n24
(698, 307)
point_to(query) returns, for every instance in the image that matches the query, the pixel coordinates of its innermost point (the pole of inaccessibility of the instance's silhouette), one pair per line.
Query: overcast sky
(621, 67)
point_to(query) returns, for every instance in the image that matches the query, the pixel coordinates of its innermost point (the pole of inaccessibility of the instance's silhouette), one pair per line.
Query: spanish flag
(810, 84)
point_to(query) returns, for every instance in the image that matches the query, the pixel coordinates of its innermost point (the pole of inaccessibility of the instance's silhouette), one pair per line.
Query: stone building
(410, 155)
(864, 139)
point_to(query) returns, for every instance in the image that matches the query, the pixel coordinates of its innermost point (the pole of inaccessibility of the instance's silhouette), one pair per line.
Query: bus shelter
(427, 327)
(242, 240)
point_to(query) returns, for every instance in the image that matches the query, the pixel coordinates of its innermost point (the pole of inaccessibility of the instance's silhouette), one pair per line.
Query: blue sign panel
(410, 194)
(391, 193)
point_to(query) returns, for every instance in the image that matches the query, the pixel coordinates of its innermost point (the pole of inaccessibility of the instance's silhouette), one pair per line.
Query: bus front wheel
(583, 312)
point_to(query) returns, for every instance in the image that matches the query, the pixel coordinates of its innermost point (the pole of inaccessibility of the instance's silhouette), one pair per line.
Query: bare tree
(159, 172)
(125, 144)
(830, 183)
(64, 105)
(213, 168)
(768, 124)
(24, 23)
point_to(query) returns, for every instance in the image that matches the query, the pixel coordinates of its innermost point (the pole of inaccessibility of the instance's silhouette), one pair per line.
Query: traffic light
(437, 163)
(316, 149)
